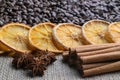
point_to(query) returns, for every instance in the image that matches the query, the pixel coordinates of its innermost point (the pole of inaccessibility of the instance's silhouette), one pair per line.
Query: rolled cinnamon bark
(116, 48)
(102, 69)
(86, 48)
(100, 57)
(90, 66)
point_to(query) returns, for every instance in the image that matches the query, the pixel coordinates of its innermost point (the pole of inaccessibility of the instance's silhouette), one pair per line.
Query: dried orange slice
(114, 32)
(3, 47)
(67, 35)
(94, 31)
(15, 36)
(40, 36)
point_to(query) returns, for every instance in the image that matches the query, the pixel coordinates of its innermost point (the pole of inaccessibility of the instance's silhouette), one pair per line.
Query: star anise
(51, 56)
(37, 61)
(38, 67)
(21, 60)
(47, 57)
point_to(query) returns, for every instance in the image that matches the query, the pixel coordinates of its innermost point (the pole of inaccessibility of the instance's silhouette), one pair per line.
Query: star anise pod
(47, 57)
(21, 60)
(52, 57)
(38, 67)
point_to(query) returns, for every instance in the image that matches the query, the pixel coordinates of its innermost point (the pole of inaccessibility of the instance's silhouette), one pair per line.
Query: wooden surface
(56, 71)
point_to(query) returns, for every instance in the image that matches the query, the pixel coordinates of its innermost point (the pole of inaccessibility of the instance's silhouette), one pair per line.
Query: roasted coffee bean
(32, 12)
(1, 23)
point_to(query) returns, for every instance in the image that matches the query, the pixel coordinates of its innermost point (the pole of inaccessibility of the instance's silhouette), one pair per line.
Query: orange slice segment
(94, 31)
(114, 32)
(15, 36)
(3, 47)
(67, 35)
(40, 36)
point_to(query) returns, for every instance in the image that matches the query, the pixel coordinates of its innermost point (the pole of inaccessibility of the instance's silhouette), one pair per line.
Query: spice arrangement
(35, 48)
(90, 48)
(14, 40)
(101, 57)
(94, 59)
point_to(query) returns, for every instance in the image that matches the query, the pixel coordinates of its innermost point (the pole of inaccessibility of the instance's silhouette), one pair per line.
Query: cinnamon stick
(100, 57)
(116, 48)
(89, 66)
(87, 48)
(102, 69)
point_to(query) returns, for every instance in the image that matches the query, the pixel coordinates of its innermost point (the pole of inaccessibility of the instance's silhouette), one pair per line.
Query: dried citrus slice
(94, 31)
(67, 35)
(40, 36)
(15, 36)
(114, 32)
(3, 47)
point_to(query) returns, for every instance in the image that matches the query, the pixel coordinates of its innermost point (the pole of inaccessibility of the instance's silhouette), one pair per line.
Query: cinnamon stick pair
(112, 49)
(89, 59)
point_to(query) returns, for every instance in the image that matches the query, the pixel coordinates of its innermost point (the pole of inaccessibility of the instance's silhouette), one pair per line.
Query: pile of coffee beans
(32, 12)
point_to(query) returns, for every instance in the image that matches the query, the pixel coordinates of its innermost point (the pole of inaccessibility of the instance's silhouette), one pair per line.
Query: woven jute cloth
(56, 71)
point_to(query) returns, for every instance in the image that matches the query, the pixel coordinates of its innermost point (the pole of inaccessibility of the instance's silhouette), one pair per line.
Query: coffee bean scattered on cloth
(32, 12)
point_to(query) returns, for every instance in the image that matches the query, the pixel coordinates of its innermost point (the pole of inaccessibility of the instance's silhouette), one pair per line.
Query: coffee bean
(1, 23)
(32, 12)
